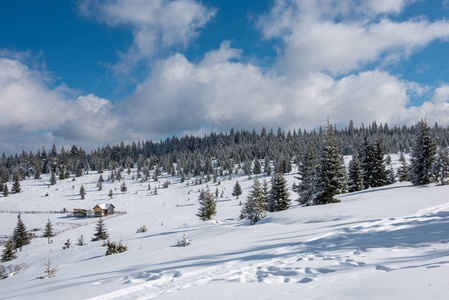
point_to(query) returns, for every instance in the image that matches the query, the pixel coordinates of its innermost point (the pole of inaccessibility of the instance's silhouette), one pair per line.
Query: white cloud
(317, 40)
(157, 25)
(30, 111)
(219, 93)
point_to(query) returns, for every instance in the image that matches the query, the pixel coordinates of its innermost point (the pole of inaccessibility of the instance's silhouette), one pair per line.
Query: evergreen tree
(123, 188)
(279, 195)
(101, 232)
(48, 232)
(422, 156)
(330, 178)
(441, 167)
(355, 182)
(5, 190)
(20, 235)
(79, 170)
(367, 163)
(403, 173)
(255, 207)
(306, 172)
(257, 167)
(208, 205)
(52, 178)
(9, 252)
(82, 192)
(16, 185)
(237, 190)
(380, 174)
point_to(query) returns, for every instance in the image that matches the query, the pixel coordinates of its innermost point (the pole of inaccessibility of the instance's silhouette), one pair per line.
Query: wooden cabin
(103, 209)
(79, 212)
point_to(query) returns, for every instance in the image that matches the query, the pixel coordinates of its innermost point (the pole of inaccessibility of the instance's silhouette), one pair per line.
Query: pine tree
(355, 182)
(255, 207)
(123, 188)
(48, 233)
(367, 163)
(79, 170)
(422, 156)
(16, 185)
(82, 192)
(110, 194)
(441, 167)
(5, 190)
(9, 251)
(208, 205)
(20, 235)
(380, 174)
(330, 176)
(257, 167)
(52, 178)
(279, 195)
(403, 173)
(101, 232)
(306, 172)
(49, 270)
(237, 190)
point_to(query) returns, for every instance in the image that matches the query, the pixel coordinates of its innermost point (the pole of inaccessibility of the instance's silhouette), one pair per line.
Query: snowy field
(386, 243)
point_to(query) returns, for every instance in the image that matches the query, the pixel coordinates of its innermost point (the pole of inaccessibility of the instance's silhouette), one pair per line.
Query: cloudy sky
(94, 72)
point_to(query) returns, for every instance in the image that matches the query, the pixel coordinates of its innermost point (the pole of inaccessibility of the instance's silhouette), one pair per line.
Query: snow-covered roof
(104, 205)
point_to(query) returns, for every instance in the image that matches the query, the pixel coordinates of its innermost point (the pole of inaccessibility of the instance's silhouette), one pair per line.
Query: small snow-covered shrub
(186, 241)
(114, 247)
(142, 229)
(11, 270)
(49, 270)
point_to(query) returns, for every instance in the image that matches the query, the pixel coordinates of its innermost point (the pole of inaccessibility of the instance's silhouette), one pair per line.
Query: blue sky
(93, 72)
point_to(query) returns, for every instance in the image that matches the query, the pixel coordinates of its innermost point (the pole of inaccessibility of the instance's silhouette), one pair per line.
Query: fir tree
(110, 194)
(5, 190)
(20, 235)
(52, 178)
(123, 188)
(48, 232)
(81, 241)
(279, 195)
(257, 167)
(367, 163)
(9, 252)
(355, 182)
(49, 270)
(441, 167)
(101, 232)
(403, 173)
(306, 172)
(237, 190)
(255, 207)
(79, 170)
(422, 156)
(208, 205)
(330, 178)
(82, 192)
(16, 185)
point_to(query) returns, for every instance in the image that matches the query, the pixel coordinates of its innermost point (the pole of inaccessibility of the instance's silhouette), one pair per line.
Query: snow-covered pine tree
(208, 205)
(306, 172)
(279, 195)
(441, 167)
(255, 207)
(20, 235)
(101, 232)
(330, 176)
(9, 252)
(5, 190)
(403, 173)
(123, 188)
(257, 167)
(16, 184)
(355, 180)
(237, 190)
(380, 174)
(422, 156)
(52, 177)
(48, 232)
(367, 162)
(82, 192)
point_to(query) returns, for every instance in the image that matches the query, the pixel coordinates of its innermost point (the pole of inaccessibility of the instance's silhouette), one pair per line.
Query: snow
(383, 243)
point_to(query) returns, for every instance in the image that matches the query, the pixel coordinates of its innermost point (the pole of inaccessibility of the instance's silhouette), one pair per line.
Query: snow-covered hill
(384, 243)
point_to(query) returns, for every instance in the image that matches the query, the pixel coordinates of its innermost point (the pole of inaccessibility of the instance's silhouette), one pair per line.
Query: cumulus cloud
(344, 36)
(157, 25)
(32, 111)
(221, 92)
